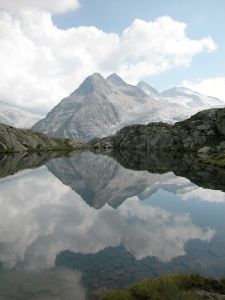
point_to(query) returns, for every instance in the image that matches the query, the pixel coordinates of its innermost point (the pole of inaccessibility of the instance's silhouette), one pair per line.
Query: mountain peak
(95, 78)
(115, 79)
(94, 81)
(177, 91)
(147, 89)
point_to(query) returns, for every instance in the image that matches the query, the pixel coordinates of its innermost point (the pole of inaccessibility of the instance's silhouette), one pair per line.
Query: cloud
(158, 46)
(214, 87)
(41, 64)
(55, 6)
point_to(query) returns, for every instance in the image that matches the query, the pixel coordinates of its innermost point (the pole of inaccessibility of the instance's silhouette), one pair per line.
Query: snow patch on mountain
(16, 116)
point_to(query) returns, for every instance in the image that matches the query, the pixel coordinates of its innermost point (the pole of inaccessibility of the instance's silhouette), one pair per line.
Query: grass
(173, 287)
(218, 160)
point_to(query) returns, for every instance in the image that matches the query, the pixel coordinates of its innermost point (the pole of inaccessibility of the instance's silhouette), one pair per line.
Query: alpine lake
(77, 225)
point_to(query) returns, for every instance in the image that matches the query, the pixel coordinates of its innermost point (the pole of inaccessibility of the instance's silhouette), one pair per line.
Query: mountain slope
(100, 107)
(25, 140)
(16, 116)
(148, 89)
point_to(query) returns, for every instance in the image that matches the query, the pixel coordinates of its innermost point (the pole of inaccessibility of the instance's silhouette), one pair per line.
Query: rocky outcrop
(19, 140)
(205, 128)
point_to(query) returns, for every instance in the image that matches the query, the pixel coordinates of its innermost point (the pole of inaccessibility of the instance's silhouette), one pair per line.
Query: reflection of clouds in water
(50, 284)
(205, 195)
(156, 232)
(40, 217)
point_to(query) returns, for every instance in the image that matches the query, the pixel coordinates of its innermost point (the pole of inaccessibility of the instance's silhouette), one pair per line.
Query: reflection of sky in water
(53, 284)
(41, 217)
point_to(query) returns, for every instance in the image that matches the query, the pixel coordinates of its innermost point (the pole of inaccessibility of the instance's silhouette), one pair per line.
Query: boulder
(205, 151)
(222, 146)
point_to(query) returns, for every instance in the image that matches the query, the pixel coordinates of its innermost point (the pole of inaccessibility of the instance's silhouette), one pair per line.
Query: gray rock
(205, 151)
(222, 145)
(203, 127)
(221, 126)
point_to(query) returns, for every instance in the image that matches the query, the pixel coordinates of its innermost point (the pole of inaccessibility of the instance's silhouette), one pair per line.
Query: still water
(75, 226)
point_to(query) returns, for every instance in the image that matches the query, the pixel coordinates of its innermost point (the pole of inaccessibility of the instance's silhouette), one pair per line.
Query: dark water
(75, 226)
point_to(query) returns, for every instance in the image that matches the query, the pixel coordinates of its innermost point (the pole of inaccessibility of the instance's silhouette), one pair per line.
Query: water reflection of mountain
(113, 178)
(181, 164)
(100, 179)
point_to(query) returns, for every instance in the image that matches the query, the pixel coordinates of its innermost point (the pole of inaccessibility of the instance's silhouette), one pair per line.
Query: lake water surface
(77, 225)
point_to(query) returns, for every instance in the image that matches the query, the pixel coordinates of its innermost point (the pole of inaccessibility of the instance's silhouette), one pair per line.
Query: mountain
(189, 98)
(148, 89)
(97, 108)
(25, 140)
(100, 107)
(16, 116)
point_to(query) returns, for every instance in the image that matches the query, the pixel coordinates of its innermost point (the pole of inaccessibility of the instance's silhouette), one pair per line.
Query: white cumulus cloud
(214, 87)
(55, 6)
(41, 63)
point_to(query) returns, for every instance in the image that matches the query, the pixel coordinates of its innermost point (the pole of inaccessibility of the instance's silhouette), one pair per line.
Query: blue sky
(203, 18)
(55, 45)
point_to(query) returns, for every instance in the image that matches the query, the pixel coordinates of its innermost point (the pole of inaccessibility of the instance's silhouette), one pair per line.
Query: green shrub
(173, 287)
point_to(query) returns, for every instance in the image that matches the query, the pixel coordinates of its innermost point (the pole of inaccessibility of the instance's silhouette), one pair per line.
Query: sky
(47, 48)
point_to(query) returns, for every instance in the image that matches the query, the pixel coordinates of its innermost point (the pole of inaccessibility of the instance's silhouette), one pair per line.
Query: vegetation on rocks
(218, 160)
(182, 287)
(214, 155)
